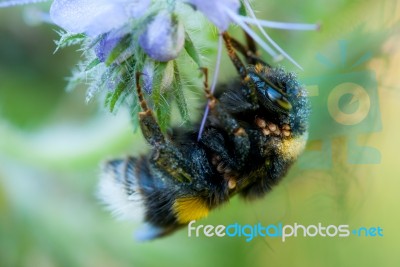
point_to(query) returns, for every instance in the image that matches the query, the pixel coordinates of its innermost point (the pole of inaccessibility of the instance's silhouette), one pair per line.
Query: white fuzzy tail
(118, 189)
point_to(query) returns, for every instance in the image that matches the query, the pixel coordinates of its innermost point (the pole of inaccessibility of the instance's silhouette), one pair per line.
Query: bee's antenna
(251, 44)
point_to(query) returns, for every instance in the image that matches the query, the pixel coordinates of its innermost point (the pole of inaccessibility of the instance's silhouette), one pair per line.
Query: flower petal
(135, 8)
(95, 17)
(215, 11)
(8, 3)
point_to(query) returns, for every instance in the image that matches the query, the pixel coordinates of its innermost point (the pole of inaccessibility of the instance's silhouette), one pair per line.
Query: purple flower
(106, 45)
(95, 17)
(163, 38)
(216, 11)
(148, 76)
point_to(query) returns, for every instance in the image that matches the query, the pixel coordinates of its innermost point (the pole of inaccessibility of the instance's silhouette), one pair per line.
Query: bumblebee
(256, 129)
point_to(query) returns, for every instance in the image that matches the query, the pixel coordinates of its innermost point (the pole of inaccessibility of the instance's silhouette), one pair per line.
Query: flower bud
(105, 46)
(148, 76)
(163, 38)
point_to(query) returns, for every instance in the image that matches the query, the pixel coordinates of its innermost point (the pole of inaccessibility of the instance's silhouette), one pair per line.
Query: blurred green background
(51, 144)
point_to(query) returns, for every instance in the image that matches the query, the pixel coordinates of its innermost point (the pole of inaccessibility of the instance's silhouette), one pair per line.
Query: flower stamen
(277, 47)
(213, 85)
(282, 25)
(252, 34)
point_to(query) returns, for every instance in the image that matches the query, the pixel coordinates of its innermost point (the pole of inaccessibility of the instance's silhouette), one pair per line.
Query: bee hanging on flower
(256, 129)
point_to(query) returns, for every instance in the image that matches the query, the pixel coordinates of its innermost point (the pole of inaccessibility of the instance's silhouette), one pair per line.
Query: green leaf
(92, 64)
(117, 93)
(68, 39)
(158, 98)
(168, 77)
(121, 47)
(107, 100)
(135, 109)
(192, 51)
(179, 96)
(164, 111)
(242, 10)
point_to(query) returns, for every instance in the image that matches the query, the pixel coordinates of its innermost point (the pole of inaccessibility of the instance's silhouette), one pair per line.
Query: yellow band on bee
(190, 208)
(291, 148)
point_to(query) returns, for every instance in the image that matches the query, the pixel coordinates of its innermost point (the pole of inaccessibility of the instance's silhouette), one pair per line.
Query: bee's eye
(278, 98)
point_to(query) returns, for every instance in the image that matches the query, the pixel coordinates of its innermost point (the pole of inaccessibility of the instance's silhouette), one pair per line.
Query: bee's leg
(250, 52)
(241, 68)
(166, 154)
(215, 143)
(229, 124)
(150, 128)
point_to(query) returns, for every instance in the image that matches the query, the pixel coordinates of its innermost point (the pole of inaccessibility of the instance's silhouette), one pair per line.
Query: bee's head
(280, 94)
